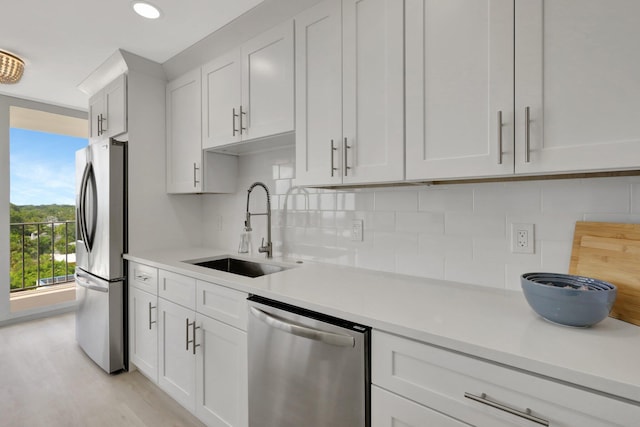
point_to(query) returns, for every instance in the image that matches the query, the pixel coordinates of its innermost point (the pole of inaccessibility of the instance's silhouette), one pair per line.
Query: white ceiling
(63, 41)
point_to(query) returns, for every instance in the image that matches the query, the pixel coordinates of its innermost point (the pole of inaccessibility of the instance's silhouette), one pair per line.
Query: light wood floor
(47, 380)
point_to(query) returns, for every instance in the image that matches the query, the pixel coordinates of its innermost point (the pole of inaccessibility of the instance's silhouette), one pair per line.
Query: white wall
(5, 103)
(157, 220)
(457, 232)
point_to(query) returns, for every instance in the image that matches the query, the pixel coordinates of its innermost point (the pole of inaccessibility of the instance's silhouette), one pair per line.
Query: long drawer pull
(526, 414)
(500, 137)
(151, 307)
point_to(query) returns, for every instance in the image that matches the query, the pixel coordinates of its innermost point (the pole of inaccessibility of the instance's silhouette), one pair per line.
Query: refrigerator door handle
(80, 208)
(80, 281)
(88, 234)
(304, 332)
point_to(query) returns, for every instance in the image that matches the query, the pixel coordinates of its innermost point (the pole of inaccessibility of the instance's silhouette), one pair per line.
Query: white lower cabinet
(482, 393)
(177, 362)
(221, 374)
(391, 410)
(143, 332)
(202, 359)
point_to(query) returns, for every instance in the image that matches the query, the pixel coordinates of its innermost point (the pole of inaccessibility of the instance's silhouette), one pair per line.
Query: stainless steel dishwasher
(306, 369)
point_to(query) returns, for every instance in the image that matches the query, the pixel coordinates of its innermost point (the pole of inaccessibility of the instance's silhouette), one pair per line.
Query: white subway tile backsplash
(454, 198)
(420, 222)
(556, 255)
(499, 198)
(589, 195)
(401, 200)
(458, 232)
(328, 201)
(405, 243)
(473, 224)
(455, 247)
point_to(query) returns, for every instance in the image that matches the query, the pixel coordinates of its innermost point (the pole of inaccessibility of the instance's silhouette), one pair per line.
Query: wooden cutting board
(611, 252)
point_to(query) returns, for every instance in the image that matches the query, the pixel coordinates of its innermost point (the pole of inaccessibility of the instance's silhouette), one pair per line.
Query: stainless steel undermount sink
(239, 266)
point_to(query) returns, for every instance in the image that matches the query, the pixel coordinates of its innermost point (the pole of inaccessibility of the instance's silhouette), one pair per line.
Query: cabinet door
(319, 94)
(221, 363)
(459, 88)
(184, 147)
(115, 105)
(577, 68)
(96, 113)
(176, 367)
(221, 99)
(390, 410)
(373, 95)
(143, 332)
(267, 83)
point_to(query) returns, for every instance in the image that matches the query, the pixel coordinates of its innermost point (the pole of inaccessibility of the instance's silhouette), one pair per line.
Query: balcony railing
(42, 254)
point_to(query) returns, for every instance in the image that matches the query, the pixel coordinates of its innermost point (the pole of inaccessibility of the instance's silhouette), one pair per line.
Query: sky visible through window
(42, 167)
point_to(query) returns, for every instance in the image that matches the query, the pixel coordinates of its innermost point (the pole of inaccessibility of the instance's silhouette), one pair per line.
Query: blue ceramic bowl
(568, 300)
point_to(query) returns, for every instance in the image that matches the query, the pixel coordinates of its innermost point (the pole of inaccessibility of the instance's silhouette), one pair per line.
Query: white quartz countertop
(493, 324)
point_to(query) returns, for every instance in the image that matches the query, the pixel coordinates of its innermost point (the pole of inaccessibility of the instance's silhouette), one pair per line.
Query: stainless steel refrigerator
(100, 243)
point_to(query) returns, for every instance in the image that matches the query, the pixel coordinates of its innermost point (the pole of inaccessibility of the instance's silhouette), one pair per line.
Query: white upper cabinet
(373, 83)
(577, 72)
(248, 92)
(267, 83)
(221, 101)
(349, 107)
(459, 88)
(562, 98)
(319, 94)
(108, 110)
(184, 148)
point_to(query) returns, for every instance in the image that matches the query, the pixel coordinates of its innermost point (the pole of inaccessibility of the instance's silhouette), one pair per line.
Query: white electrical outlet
(356, 230)
(522, 238)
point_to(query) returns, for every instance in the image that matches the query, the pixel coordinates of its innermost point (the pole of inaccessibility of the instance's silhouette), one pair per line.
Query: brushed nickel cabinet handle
(346, 157)
(195, 174)
(150, 308)
(243, 118)
(527, 134)
(193, 331)
(333, 148)
(233, 121)
(526, 414)
(500, 137)
(186, 335)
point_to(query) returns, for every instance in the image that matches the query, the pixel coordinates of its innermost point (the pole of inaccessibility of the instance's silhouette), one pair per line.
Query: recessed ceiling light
(146, 10)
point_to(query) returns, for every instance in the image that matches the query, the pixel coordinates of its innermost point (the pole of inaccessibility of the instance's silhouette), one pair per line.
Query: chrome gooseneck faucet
(268, 248)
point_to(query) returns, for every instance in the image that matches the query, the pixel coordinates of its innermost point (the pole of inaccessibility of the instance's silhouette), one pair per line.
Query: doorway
(42, 206)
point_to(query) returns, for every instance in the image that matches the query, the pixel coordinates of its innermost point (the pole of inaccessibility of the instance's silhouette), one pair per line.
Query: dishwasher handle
(304, 332)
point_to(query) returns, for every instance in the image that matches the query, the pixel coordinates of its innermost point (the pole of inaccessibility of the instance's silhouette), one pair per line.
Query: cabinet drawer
(143, 277)
(177, 288)
(391, 410)
(447, 381)
(226, 305)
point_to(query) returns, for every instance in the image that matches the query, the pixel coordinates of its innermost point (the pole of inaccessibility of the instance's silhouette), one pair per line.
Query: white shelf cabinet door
(176, 361)
(221, 370)
(221, 101)
(143, 332)
(390, 410)
(115, 106)
(459, 88)
(319, 94)
(373, 90)
(577, 68)
(268, 83)
(184, 146)
(96, 112)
